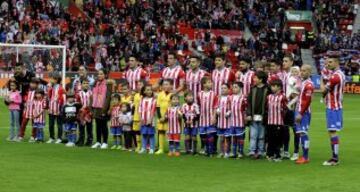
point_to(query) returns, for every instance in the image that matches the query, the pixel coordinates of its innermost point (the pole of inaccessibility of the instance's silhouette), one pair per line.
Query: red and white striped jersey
(208, 102)
(285, 81)
(147, 109)
(335, 86)
(273, 76)
(191, 111)
(29, 107)
(247, 79)
(175, 73)
(84, 98)
(281, 75)
(114, 116)
(326, 74)
(220, 77)
(39, 111)
(224, 112)
(193, 81)
(276, 106)
(306, 91)
(77, 87)
(133, 76)
(57, 99)
(174, 120)
(238, 110)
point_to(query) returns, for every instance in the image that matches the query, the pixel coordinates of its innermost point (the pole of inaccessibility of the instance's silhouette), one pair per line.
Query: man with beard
(245, 75)
(23, 78)
(194, 76)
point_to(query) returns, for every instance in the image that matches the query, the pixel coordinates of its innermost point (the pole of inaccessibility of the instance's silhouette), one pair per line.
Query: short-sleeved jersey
(147, 109)
(208, 102)
(84, 98)
(220, 77)
(163, 101)
(223, 112)
(193, 81)
(174, 120)
(307, 89)
(281, 75)
(133, 76)
(247, 79)
(114, 116)
(335, 87)
(325, 74)
(39, 110)
(175, 73)
(190, 112)
(57, 98)
(238, 110)
(29, 107)
(276, 106)
(136, 103)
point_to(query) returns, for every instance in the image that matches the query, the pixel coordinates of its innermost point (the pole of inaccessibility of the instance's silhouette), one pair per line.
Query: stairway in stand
(307, 58)
(357, 20)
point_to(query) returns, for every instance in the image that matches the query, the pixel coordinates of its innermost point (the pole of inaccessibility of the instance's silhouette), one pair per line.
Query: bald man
(302, 112)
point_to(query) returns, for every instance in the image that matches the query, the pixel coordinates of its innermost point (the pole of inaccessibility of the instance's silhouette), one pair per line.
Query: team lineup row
(217, 107)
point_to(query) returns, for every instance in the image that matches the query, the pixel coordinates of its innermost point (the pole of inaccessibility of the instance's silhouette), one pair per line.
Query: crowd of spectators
(112, 30)
(334, 21)
(266, 21)
(109, 31)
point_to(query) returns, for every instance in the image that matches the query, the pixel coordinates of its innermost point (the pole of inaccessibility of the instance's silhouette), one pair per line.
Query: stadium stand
(335, 22)
(104, 33)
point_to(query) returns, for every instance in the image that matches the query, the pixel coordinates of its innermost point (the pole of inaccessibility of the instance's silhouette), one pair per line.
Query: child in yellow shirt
(162, 105)
(126, 96)
(136, 115)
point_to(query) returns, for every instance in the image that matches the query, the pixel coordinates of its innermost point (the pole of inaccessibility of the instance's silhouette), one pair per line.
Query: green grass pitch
(49, 167)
